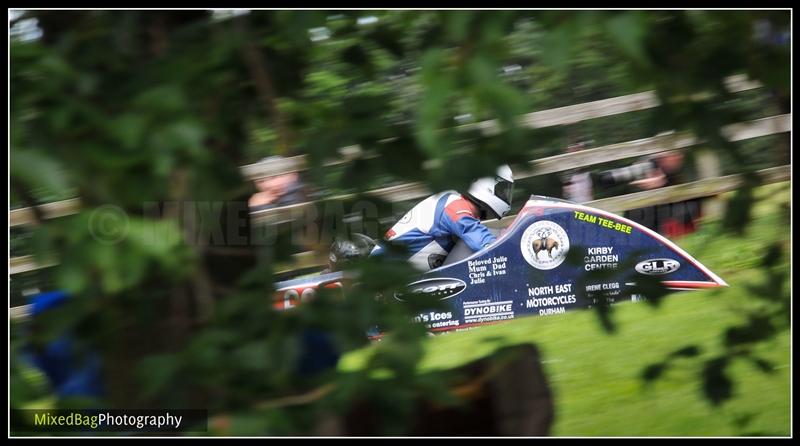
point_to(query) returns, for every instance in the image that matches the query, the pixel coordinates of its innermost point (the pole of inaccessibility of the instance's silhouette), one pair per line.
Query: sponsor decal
(549, 311)
(611, 286)
(608, 289)
(549, 290)
(544, 245)
(285, 299)
(557, 296)
(550, 301)
(604, 222)
(440, 287)
(657, 267)
(487, 311)
(435, 319)
(481, 269)
(601, 257)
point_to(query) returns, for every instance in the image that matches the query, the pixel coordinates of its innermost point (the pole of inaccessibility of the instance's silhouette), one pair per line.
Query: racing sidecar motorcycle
(554, 257)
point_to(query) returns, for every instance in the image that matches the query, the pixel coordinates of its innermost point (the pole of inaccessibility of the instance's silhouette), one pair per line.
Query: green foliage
(129, 109)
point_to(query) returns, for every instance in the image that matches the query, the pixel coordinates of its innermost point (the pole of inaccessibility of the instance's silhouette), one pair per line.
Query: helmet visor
(504, 190)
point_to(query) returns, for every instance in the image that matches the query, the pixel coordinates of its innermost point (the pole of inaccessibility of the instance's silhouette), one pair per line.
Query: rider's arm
(460, 218)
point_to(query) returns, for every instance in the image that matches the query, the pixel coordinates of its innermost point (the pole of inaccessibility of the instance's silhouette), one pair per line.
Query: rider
(431, 228)
(345, 250)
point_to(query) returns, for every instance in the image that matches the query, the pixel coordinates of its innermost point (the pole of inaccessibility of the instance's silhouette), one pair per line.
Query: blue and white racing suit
(432, 227)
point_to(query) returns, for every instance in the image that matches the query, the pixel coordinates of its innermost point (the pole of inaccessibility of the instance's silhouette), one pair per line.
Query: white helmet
(494, 193)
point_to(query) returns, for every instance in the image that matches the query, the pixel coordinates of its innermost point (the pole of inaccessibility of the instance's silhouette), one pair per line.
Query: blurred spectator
(70, 372)
(577, 183)
(653, 172)
(666, 168)
(277, 190)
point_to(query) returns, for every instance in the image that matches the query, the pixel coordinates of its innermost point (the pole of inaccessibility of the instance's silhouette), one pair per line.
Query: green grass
(596, 377)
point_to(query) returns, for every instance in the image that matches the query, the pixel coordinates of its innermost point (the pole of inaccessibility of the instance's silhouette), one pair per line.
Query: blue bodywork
(555, 256)
(513, 278)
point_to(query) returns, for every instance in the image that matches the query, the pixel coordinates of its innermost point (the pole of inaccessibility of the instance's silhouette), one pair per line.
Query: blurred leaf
(757, 328)
(356, 56)
(72, 278)
(389, 40)
(251, 424)
(763, 365)
(163, 98)
(253, 356)
(129, 129)
(717, 386)
(603, 310)
(650, 288)
(457, 23)
(438, 86)
(653, 372)
(627, 29)
(186, 136)
(773, 255)
(157, 373)
(38, 172)
(26, 383)
(689, 351)
(557, 46)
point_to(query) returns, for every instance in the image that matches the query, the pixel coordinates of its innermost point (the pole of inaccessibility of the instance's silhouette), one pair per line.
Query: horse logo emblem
(544, 244)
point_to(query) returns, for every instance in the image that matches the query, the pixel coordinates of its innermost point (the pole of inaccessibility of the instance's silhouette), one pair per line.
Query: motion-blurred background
(167, 167)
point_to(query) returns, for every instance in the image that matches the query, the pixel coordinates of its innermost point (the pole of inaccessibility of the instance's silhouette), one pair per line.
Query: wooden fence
(709, 186)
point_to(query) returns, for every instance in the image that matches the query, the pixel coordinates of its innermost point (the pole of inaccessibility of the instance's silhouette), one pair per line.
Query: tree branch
(262, 81)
